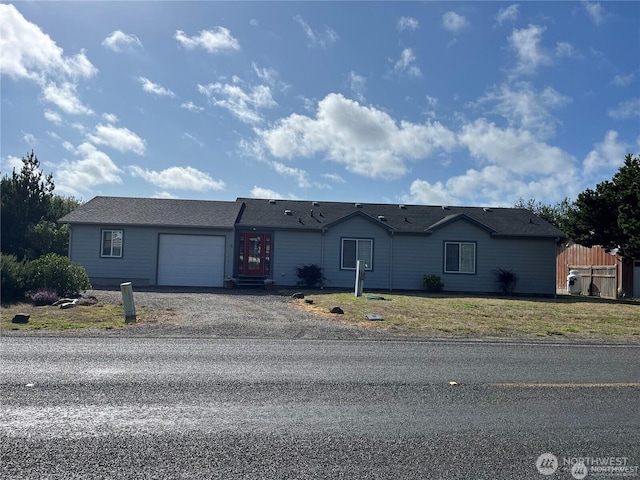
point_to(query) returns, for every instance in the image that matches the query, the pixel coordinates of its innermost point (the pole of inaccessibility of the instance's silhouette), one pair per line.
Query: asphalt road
(234, 409)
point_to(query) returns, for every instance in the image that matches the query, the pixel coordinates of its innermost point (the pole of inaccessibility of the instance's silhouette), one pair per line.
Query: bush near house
(58, 273)
(52, 272)
(310, 275)
(506, 279)
(432, 283)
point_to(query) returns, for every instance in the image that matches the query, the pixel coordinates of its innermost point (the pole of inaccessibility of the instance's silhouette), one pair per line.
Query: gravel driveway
(220, 313)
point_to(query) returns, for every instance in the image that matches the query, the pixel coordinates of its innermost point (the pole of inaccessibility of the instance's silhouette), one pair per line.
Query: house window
(459, 257)
(354, 249)
(112, 243)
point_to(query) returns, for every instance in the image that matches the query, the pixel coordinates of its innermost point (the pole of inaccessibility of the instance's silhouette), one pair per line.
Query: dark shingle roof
(305, 215)
(155, 212)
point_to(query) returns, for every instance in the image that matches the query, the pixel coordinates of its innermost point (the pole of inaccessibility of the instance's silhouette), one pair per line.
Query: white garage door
(191, 260)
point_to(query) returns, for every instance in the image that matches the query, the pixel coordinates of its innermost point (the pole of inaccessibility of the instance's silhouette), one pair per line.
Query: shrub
(506, 279)
(310, 275)
(432, 283)
(58, 273)
(44, 296)
(13, 273)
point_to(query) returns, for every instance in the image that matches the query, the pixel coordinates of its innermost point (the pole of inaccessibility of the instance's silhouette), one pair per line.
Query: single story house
(201, 243)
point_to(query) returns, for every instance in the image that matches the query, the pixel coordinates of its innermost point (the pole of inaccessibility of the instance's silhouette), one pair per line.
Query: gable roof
(159, 212)
(304, 215)
(414, 219)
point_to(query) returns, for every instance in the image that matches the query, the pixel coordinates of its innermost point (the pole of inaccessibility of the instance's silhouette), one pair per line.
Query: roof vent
(486, 209)
(402, 205)
(445, 207)
(358, 205)
(272, 202)
(382, 218)
(287, 212)
(315, 204)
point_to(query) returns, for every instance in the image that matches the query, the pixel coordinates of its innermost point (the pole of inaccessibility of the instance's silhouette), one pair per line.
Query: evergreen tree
(609, 216)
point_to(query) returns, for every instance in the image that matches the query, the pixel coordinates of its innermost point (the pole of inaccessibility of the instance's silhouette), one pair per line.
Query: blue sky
(458, 103)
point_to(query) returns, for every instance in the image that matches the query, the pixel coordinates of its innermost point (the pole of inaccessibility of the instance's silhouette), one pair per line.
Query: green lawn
(441, 315)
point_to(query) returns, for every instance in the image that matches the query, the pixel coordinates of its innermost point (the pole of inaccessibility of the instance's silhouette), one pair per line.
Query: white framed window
(354, 249)
(459, 257)
(111, 243)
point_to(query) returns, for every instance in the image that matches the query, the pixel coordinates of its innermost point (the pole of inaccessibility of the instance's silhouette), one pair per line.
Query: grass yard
(464, 316)
(55, 318)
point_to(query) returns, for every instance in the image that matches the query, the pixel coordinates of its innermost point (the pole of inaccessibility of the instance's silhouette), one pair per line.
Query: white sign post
(360, 266)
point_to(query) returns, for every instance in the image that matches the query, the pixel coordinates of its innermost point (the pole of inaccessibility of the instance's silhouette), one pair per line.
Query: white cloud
(150, 87)
(407, 23)
(526, 43)
(454, 22)
(607, 155)
(334, 177)
(193, 138)
(493, 186)
(213, 41)
(12, 163)
(268, 75)
(526, 108)
(93, 168)
(595, 12)
(365, 140)
(623, 80)
(407, 63)
(182, 178)
(243, 105)
(322, 39)
(27, 52)
(509, 14)
(119, 138)
(110, 117)
(301, 177)
(423, 192)
(565, 49)
(53, 117)
(164, 194)
(192, 107)
(28, 138)
(516, 150)
(358, 85)
(624, 110)
(260, 192)
(118, 41)
(65, 98)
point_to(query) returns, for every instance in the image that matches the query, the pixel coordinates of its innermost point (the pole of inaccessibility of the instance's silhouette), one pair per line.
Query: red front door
(254, 254)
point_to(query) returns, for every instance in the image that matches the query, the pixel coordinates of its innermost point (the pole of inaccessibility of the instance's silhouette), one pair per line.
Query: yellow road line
(566, 385)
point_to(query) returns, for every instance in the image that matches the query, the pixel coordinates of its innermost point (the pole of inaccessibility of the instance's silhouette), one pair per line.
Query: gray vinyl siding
(533, 260)
(357, 227)
(413, 257)
(138, 263)
(291, 250)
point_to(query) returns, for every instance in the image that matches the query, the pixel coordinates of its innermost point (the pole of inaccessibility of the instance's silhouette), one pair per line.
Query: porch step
(250, 281)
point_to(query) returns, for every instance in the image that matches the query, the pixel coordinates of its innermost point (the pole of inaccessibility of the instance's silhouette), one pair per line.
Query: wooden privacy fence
(598, 280)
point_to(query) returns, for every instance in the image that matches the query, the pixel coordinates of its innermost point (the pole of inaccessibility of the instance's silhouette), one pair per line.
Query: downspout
(70, 241)
(324, 230)
(391, 262)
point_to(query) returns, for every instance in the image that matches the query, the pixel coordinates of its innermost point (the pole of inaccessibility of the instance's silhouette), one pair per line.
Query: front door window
(254, 254)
